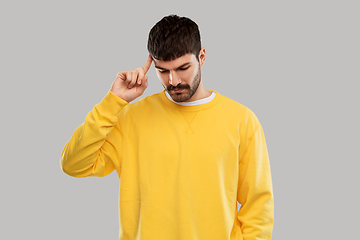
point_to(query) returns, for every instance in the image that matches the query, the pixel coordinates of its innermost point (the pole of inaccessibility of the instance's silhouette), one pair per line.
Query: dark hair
(173, 37)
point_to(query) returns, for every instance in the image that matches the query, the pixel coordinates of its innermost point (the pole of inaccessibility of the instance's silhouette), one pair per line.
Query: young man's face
(180, 77)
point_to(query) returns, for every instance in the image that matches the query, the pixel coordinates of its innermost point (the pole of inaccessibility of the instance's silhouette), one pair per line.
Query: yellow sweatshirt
(181, 168)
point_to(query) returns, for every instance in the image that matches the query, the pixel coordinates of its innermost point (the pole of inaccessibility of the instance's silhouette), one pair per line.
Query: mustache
(171, 87)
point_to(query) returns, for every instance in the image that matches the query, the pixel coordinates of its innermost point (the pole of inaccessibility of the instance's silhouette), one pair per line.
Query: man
(184, 156)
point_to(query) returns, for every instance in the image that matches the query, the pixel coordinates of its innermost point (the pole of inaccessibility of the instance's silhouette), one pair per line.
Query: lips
(178, 89)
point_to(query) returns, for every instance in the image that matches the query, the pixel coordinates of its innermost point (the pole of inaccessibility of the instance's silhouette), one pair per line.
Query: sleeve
(93, 149)
(255, 192)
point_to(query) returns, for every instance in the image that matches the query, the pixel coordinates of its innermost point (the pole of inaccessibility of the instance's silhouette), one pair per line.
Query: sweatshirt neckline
(204, 106)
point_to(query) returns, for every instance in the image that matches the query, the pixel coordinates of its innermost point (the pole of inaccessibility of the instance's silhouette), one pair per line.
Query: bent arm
(93, 148)
(255, 192)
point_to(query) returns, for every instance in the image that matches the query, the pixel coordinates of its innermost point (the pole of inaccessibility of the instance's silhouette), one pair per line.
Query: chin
(180, 97)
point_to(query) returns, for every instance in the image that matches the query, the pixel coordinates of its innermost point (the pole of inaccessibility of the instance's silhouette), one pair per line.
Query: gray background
(294, 63)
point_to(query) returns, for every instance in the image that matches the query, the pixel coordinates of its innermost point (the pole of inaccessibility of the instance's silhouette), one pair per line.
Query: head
(175, 46)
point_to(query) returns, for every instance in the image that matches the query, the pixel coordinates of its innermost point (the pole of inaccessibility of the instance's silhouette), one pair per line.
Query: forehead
(173, 64)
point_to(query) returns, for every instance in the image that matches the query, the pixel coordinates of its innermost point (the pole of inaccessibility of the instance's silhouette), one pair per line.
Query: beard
(188, 91)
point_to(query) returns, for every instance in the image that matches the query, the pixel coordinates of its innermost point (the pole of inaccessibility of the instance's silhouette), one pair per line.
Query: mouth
(178, 90)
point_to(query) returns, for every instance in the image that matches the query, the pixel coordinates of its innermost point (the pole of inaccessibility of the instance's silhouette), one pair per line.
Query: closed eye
(179, 69)
(182, 69)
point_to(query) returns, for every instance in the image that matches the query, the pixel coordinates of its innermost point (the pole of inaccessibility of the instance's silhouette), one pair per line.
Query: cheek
(191, 75)
(187, 76)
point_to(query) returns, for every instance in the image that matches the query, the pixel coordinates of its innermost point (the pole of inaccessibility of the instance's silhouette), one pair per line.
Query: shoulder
(143, 106)
(240, 116)
(237, 110)
(145, 101)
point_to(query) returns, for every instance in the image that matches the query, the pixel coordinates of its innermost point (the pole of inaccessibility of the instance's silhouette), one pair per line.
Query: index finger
(147, 64)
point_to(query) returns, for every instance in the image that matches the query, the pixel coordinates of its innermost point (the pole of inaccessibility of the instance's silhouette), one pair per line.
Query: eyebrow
(188, 63)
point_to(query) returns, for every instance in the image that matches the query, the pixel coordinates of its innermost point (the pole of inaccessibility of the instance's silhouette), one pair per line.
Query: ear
(202, 55)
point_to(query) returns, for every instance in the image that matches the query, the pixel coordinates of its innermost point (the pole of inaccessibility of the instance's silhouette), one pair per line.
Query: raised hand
(129, 85)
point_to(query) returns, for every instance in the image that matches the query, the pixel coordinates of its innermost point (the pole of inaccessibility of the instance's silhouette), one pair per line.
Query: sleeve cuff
(111, 105)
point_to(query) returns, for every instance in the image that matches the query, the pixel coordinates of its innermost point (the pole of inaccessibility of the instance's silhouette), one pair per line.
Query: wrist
(121, 97)
(111, 105)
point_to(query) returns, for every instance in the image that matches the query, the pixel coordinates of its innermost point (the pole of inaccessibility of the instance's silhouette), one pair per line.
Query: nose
(174, 79)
